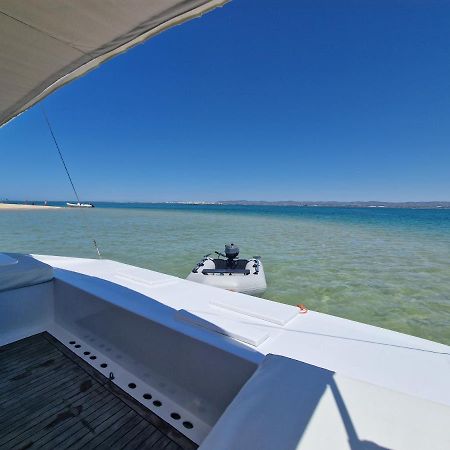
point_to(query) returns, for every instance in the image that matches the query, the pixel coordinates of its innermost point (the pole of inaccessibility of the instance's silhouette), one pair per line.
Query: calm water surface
(386, 267)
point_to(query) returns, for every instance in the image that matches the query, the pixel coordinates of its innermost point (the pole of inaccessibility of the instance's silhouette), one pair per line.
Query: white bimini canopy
(47, 43)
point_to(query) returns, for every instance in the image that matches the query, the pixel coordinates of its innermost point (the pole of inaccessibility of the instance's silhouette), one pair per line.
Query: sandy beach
(10, 206)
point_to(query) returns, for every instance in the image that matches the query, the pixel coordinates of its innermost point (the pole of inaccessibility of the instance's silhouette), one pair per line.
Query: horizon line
(241, 201)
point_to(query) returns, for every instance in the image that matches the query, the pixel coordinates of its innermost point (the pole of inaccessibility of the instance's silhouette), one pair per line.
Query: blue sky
(260, 99)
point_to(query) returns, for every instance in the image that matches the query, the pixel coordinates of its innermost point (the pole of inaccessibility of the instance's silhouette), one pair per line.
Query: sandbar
(15, 206)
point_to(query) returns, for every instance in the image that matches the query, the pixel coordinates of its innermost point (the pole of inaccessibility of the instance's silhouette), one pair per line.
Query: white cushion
(17, 270)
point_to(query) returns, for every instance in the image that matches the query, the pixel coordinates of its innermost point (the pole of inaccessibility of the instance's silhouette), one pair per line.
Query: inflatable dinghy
(227, 271)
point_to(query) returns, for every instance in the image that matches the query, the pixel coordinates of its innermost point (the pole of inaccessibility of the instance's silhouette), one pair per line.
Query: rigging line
(60, 154)
(66, 169)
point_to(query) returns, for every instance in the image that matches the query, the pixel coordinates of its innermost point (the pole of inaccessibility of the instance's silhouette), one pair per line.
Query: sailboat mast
(60, 153)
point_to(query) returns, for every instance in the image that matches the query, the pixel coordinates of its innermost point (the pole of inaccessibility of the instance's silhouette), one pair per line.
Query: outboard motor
(231, 252)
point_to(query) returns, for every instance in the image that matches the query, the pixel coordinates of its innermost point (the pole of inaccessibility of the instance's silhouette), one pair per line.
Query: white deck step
(273, 312)
(228, 327)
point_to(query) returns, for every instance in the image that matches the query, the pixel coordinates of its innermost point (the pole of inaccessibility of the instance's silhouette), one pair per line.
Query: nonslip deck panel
(50, 398)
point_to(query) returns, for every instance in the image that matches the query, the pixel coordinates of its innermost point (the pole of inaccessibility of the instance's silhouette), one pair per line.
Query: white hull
(80, 205)
(221, 359)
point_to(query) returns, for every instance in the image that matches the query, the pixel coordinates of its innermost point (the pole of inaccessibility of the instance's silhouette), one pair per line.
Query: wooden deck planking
(34, 375)
(112, 426)
(154, 442)
(26, 361)
(33, 388)
(41, 393)
(37, 408)
(51, 398)
(114, 441)
(64, 430)
(113, 429)
(17, 347)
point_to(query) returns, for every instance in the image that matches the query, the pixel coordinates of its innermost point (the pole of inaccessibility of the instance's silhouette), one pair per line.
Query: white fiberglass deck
(383, 357)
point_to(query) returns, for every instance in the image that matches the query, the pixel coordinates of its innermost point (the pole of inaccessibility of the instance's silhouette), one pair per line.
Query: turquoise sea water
(386, 267)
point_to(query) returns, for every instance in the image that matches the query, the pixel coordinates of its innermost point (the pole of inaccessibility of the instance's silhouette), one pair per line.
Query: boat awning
(47, 43)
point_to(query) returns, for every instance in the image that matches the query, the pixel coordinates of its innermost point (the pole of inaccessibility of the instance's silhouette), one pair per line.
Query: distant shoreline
(329, 204)
(38, 204)
(338, 204)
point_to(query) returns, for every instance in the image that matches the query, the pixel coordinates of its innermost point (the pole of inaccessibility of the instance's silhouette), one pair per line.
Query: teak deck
(50, 398)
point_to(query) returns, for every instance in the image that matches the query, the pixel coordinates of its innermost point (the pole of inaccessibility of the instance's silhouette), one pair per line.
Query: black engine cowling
(231, 251)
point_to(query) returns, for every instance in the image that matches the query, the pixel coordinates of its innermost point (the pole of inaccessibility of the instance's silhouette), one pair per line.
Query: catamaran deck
(50, 398)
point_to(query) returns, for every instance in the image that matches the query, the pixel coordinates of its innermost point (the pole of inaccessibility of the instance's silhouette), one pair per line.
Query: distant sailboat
(80, 205)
